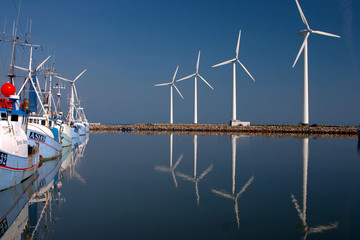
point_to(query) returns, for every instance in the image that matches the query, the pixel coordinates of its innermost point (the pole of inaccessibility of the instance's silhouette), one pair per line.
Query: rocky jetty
(224, 129)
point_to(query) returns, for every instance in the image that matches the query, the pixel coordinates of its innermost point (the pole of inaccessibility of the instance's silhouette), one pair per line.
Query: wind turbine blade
(326, 34)
(178, 91)
(225, 195)
(178, 161)
(162, 169)
(38, 67)
(238, 45)
(301, 49)
(243, 189)
(162, 84)
(205, 81)
(175, 74)
(64, 79)
(302, 15)
(185, 177)
(21, 68)
(80, 75)
(205, 172)
(319, 229)
(246, 70)
(297, 207)
(190, 76)
(197, 64)
(226, 62)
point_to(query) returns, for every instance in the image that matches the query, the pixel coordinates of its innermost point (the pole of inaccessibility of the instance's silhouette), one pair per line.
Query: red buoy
(7, 89)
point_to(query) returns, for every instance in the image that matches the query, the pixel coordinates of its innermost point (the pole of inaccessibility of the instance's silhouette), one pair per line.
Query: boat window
(14, 118)
(43, 122)
(3, 116)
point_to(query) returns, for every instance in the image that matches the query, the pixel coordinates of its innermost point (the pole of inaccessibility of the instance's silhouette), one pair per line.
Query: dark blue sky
(128, 46)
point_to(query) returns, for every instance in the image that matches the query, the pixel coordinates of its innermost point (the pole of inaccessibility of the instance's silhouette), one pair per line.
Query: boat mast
(15, 40)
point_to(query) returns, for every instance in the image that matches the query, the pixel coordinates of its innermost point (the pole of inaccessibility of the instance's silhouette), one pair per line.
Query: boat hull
(48, 147)
(15, 169)
(82, 129)
(66, 138)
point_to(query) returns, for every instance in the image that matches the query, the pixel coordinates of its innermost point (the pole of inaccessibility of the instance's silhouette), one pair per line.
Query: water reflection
(196, 179)
(234, 196)
(171, 168)
(26, 209)
(13, 208)
(302, 212)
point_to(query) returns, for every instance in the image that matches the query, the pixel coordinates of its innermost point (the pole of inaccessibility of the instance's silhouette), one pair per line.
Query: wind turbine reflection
(172, 167)
(234, 196)
(302, 212)
(196, 179)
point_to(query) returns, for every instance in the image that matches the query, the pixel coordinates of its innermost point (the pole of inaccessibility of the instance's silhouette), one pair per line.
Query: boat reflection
(302, 212)
(26, 209)
(13, 208)
(234, 196)
(195, 178)
(68, 165)
(171, 168)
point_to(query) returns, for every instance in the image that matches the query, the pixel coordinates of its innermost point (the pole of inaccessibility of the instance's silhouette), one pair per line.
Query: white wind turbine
(172, 85)
(304, 48)
(302, 212)
(234, 121)
(234, 196)
(72, 93)
(195, 75)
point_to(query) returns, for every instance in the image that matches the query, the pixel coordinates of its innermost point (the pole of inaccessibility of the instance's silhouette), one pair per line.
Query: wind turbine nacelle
(303, 32)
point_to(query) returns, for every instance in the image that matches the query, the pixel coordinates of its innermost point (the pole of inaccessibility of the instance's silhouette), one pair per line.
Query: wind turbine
(302, 212)
(196, 179)
(234, 121)
(72, 92)
(304, 48)
(234, 196)
(172, 167)
(196, 75)
(172, 85)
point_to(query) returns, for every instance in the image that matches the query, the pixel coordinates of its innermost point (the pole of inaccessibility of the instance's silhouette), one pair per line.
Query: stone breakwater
(223, 129)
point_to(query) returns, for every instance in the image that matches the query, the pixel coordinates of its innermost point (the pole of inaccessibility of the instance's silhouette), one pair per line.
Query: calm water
(125, 186)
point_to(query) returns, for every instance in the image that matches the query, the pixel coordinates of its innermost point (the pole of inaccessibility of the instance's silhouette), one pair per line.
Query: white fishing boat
(42, 129)
(45, 132)
(76, 115)
(18, 160)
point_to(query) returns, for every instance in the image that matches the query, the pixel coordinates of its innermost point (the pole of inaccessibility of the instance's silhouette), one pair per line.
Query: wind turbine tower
(234, 121)
(304, 48)
(172, 85)
(196, 75)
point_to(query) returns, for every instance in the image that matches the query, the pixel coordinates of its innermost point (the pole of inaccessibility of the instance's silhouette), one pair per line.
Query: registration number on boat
(3, 227)
(37, 136)
(3, 158)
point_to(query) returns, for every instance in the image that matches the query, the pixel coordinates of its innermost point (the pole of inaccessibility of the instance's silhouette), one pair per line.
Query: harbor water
(130, 186)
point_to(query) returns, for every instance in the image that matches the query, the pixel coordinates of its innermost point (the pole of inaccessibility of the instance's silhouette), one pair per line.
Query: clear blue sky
(128, 46)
